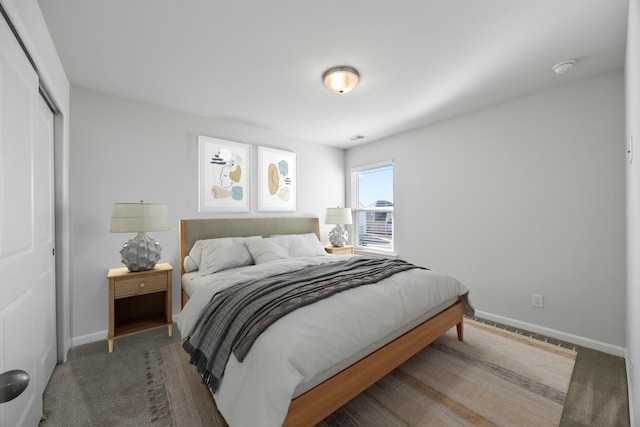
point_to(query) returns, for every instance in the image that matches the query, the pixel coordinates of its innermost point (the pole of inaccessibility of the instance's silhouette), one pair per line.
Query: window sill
(374, 252)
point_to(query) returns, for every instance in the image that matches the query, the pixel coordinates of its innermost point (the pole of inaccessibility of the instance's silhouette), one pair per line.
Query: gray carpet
(598, 391)
(101, 389)
(126, 387)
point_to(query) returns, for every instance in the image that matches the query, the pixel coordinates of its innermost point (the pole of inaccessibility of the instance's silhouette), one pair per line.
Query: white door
(44, 230)
(27, 290)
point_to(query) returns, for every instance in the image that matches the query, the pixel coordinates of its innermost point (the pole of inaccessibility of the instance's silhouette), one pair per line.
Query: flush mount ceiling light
(563, 67)
(341, 80)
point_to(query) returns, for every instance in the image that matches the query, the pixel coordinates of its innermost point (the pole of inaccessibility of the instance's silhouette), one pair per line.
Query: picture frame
(224, 175)
(276, 180)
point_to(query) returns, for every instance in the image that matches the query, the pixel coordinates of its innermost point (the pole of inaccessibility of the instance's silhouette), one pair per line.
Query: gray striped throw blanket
(236, 316)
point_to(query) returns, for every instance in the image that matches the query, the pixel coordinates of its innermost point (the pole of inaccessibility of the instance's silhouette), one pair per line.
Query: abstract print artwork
(276, 180)
(224, 175)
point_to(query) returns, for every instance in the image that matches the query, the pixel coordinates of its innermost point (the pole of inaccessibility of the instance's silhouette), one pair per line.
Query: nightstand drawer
(140, 285)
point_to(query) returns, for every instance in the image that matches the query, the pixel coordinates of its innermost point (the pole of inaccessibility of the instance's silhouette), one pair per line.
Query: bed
(321, 392)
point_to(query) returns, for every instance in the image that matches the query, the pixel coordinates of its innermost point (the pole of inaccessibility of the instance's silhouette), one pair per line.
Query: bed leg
(460, 330)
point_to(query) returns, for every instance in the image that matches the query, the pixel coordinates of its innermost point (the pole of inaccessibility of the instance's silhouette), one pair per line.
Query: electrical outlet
(537, 300)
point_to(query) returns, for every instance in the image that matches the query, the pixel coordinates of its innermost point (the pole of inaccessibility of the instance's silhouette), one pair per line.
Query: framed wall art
(224, 172)
(276, 180)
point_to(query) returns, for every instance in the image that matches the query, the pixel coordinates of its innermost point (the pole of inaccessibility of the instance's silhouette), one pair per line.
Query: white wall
(125, 151)
(526, 197)
(632, 72)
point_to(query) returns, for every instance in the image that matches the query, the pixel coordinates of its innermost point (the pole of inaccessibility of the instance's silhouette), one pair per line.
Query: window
(372, 207)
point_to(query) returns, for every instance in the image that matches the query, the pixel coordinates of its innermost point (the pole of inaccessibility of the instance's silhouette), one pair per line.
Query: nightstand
(139, 301)
(339, 250)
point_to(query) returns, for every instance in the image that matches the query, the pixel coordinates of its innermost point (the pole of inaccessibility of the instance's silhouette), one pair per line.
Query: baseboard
(89, 338)
(630, 386)
(102, 335)
(575, 339)
(552, 333)
(63, 353)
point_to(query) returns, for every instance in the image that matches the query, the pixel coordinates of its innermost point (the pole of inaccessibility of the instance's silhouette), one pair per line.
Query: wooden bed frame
(316, 404)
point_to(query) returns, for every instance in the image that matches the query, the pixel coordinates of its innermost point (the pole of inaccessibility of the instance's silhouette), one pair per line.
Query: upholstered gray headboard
(192, 230)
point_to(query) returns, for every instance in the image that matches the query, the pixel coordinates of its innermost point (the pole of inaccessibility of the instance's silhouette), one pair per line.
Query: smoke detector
(563, 67)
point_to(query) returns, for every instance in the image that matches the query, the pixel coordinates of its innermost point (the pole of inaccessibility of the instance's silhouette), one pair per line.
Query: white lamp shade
(139, 217)
(338, 216)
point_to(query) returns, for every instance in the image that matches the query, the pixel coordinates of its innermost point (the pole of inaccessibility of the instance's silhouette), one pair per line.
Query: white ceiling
(259, 63)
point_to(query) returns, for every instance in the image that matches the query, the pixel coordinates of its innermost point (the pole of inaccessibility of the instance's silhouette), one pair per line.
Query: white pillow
(266, 250)
(220, 254)
(305, 245)
(192, 261)
(286, 246)
(189, 264)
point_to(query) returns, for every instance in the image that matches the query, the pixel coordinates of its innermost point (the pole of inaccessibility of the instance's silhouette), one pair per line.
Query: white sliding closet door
(44, 243)
(27, 272)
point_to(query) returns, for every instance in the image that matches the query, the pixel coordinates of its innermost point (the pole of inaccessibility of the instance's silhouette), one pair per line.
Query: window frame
(356, 210)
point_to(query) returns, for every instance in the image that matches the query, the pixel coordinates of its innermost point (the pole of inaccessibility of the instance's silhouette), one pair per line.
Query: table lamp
(142, 251)
(338, 236)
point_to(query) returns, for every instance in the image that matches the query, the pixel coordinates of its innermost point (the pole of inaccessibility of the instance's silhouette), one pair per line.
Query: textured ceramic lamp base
(338, 236)
(141, 253)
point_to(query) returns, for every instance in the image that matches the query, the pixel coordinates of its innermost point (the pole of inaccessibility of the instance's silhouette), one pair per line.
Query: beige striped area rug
(493, 378)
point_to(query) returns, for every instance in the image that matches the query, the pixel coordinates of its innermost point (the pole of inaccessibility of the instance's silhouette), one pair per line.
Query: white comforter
(296, 350)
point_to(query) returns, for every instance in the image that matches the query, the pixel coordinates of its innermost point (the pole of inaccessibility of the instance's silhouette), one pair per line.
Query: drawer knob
(142, 285)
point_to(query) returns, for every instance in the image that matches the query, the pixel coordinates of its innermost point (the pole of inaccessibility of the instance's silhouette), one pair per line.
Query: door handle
(12, 384)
